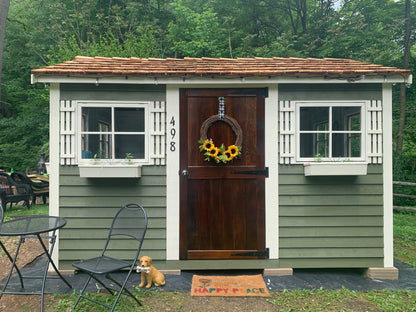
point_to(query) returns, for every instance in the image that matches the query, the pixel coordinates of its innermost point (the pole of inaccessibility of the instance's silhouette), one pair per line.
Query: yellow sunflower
(213, 152)
(233, 150)
(227, 153)
(208, 145)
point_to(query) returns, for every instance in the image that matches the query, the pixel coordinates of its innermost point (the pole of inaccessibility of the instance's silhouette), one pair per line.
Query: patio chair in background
(13, 192)
(39, 185)
(130, 223)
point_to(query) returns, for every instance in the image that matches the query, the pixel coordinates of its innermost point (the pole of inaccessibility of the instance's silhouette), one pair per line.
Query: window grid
(107, 138)
(346, 148)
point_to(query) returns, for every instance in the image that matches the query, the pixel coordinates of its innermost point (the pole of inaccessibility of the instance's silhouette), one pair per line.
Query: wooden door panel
(222, 213)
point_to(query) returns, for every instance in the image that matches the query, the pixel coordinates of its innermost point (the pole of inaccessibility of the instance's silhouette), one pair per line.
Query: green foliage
(195, 34)
(91, 29)
(41, 32)
(24, 136)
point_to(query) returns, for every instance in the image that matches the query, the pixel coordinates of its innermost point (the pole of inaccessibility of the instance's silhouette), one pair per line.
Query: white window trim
(362, 104)
(110, 162)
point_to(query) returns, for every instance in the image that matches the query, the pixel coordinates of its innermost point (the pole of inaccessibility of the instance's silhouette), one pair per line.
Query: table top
(31, 225)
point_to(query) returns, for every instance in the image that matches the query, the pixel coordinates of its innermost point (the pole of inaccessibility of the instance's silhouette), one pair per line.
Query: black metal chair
(12, 192)
(130, 223)
(39, 185)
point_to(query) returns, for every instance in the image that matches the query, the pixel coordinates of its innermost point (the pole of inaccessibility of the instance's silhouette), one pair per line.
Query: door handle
(185, 172)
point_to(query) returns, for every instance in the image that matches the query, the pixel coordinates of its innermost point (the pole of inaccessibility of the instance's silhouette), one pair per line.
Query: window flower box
(107, 170)
(335, 169)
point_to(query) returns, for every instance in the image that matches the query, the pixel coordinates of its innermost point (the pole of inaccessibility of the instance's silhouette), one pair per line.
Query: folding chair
(130, 223)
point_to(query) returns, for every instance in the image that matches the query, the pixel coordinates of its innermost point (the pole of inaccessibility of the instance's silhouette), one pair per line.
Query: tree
(195, 34)
(4, 9)
(95, 27)
(406, 58)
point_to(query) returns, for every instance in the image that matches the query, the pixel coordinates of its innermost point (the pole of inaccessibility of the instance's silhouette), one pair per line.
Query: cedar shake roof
(218, 67)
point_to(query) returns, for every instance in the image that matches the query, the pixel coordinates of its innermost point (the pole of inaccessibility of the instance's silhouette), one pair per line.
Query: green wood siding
(90, 204)
(330, 221)
(330, 92)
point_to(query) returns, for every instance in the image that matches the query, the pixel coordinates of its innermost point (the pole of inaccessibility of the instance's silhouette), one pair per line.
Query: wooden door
(222, 204)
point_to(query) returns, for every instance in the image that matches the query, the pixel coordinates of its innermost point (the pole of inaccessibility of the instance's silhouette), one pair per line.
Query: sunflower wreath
(220, 154)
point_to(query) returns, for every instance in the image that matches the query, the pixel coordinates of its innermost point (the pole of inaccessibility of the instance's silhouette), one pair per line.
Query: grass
(296, 300)
(23, 211)
(404, 230)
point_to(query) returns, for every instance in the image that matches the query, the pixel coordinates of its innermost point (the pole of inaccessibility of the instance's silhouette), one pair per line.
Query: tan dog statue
(149, 273)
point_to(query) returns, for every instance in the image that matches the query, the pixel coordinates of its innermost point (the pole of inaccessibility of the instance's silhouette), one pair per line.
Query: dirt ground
(29, 250)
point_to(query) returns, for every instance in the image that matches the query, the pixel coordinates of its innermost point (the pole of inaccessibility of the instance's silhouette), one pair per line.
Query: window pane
(346, 118)
(313, 117)
(94, 117)
(129, 144)
(322, 145)
(97, 146)
(346, 145)
(355, 146)
(312, 144)
(129, 119)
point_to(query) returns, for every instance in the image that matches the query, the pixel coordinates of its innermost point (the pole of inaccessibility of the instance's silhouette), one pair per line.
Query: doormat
(229, 286)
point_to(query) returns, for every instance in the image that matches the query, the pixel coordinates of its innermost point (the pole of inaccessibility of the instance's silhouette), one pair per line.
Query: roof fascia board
(214, 80)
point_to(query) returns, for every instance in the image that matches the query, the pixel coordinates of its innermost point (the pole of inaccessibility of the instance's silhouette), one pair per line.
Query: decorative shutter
(67, 133)
(375, 132)
(157, 133)
(287, 132)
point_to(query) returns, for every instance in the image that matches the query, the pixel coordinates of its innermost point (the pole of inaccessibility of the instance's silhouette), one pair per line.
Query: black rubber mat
(301, 279)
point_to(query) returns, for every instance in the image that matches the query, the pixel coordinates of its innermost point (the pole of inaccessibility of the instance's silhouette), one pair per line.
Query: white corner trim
(54, 160)
(172, 176)
(272, 161)
(388, 176)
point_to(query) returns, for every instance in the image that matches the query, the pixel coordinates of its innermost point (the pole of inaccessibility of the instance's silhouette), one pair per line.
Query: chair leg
(123, 288)
(81, 293)
(111, 291)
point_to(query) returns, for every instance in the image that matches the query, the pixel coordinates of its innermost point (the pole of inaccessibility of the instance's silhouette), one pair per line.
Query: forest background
(45, 32)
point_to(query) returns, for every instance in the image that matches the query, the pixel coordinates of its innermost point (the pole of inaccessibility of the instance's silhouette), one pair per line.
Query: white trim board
(271, 184)
(388, 176)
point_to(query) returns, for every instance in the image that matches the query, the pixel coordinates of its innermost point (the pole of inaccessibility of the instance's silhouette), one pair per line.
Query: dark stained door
(222, 204)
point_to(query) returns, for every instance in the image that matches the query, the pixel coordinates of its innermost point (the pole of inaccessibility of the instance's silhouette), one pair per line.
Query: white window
(114, 131)
(330, 131)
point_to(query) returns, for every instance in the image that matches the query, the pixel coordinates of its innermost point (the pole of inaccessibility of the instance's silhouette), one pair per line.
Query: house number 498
(172, 134)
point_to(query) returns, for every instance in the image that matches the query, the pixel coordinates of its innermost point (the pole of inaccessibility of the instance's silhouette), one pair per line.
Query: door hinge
(264, 172)
(260, 254)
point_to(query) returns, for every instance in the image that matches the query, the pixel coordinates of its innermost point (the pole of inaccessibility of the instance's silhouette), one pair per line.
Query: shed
(248, 163)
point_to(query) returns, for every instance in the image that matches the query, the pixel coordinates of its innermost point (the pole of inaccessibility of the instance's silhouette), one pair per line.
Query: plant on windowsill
(129, 157)
(318, 157)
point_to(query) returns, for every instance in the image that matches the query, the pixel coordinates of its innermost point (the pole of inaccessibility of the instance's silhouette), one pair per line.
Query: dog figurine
(150, 273)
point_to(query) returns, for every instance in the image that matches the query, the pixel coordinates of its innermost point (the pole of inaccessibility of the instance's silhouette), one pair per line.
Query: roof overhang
(97, 79)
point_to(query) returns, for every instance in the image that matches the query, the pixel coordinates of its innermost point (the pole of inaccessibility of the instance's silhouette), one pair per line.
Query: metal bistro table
(32, 227)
